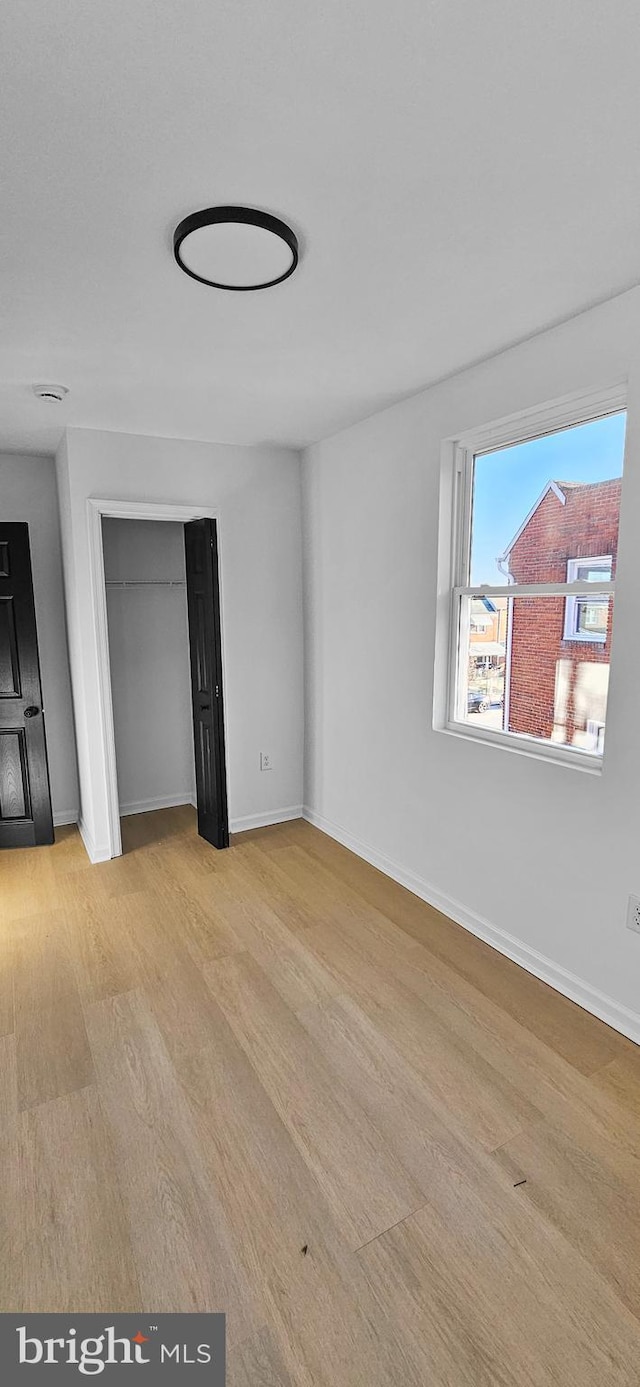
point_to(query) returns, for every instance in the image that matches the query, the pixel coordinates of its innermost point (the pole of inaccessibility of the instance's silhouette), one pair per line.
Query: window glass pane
(526, 678)
(541, 504)
(590, 572)
(592, 617)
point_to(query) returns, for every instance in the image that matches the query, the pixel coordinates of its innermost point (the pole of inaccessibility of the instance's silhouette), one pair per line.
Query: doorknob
(31, 712)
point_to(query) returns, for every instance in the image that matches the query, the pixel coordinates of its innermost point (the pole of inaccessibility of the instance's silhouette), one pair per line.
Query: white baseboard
(95, 852)
(64, 816)
(145, 806)
(272, 816)
(621, 1018)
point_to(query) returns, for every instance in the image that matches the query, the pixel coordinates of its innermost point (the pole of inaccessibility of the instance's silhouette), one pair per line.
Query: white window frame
(571, 632)
(455, 592)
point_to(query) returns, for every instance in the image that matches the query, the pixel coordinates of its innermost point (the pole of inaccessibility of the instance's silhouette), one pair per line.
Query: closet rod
(145, 583)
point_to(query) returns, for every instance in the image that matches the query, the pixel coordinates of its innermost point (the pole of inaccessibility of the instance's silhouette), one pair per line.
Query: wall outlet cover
(265, 761)
(633, 914)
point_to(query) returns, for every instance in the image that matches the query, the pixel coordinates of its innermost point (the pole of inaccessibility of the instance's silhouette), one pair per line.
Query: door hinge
(217, 690)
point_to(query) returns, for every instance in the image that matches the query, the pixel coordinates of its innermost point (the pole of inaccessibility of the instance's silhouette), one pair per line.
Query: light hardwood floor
(210, 1061)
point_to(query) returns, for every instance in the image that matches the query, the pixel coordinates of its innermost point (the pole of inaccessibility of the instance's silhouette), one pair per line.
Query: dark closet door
(203, 601)
(25, 801)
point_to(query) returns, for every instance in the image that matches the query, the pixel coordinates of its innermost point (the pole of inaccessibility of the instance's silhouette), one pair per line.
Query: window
(534, 547)
(587, 619)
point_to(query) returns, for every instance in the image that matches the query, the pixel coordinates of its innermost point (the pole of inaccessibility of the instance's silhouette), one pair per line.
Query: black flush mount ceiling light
(236, 248)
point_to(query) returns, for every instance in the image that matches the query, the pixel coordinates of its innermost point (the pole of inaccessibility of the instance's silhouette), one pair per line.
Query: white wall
(28, 493)
(538, 857)
(149, 658)
(256, 493)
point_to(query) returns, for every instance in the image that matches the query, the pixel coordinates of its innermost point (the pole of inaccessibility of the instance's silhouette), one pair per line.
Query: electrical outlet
(633, 914)
(266, 764)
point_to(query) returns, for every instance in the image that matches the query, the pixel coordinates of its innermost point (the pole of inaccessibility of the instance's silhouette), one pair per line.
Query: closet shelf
(145, 583)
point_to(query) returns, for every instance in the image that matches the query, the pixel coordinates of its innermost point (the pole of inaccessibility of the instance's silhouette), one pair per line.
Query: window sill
(577, 760)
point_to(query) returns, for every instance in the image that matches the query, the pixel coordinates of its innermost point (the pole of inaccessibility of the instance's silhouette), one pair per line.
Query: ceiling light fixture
(236, 248)
(53, 393)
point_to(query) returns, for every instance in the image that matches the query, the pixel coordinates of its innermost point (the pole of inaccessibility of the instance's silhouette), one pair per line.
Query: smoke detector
(54, 393)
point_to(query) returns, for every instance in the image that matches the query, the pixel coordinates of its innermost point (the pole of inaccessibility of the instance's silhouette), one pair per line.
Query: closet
(149, 657)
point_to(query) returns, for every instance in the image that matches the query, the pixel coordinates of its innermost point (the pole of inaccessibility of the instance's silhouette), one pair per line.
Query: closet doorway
(157, 605)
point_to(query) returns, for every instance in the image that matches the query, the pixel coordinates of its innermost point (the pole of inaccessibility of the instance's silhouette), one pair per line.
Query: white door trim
(126, 510)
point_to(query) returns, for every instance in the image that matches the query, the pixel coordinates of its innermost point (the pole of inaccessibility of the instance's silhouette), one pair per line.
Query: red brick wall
(586, 526)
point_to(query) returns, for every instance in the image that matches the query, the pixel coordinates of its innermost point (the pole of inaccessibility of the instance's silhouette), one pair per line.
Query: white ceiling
(460, 175)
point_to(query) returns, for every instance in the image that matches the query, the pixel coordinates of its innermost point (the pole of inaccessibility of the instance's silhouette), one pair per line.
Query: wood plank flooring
(210, 1061)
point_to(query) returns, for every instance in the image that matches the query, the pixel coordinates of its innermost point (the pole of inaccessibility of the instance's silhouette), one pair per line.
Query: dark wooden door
(25, 800)
(203, 602)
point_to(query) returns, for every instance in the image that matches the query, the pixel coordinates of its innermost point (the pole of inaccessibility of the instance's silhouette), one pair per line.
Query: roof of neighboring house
(556, 488)
(484, 648)
(559, 490)
(586, 486)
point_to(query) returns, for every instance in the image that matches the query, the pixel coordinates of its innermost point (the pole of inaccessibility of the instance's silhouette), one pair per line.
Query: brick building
(559, 647)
